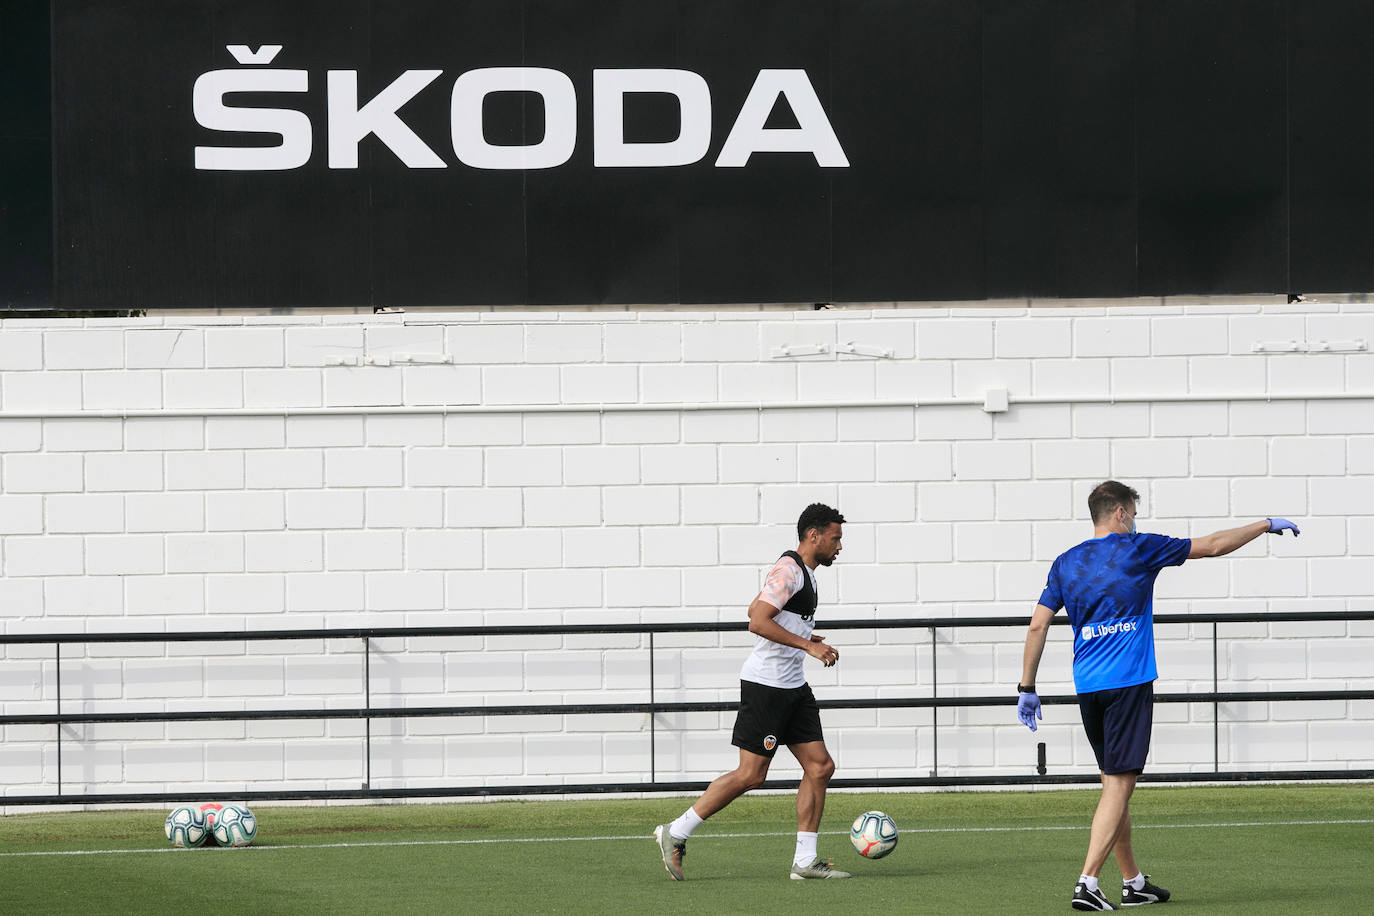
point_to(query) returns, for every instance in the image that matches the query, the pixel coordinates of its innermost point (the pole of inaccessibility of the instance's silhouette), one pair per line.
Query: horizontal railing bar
(622, 628)
(672, 787)
(554, 709)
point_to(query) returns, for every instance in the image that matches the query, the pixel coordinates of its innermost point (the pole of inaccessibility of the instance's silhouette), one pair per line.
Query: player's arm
(761, 623)
(1220, 543)
(1035, 644)
(1028, 701)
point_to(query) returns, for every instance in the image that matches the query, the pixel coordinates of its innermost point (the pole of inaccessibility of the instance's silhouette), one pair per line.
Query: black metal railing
(367, 712)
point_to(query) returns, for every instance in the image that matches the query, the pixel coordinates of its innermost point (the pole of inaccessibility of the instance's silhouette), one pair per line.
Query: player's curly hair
(1107, 496)
(819, 516)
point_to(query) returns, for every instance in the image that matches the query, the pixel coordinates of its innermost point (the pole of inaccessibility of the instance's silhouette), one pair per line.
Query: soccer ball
(185, 827)
(235, 825)
(874, 835)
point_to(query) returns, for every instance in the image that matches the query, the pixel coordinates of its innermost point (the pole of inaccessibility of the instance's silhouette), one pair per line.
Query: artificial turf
(1220, 849)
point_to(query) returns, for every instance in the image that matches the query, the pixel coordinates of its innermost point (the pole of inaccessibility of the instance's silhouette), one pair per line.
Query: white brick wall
(522, 483)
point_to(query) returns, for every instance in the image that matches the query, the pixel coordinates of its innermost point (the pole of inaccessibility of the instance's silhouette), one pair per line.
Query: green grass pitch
(1231, 849)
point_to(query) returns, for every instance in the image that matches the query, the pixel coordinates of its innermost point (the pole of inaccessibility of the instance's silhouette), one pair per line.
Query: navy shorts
(1118, 723)
(770, 716)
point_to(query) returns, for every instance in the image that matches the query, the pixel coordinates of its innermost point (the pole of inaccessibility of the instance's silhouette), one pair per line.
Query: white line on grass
(728, 836)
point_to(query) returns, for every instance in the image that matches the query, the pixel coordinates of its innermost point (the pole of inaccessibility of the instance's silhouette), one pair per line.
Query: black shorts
(1118, 723)
(770, 716)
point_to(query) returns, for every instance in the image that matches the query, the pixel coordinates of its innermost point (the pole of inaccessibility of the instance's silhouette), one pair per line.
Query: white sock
(806, 848)
(1088, 880)
(682, 828)
(1138, 882)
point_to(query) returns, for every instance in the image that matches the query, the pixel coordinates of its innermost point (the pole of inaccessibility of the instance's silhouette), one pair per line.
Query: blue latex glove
(1028, 709)
(1280, 525)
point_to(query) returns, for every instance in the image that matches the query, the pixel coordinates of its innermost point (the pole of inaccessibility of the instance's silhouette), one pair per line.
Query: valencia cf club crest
(770, 742)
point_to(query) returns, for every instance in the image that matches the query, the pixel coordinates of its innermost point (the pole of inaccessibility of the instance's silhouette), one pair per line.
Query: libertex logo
(1108, 629)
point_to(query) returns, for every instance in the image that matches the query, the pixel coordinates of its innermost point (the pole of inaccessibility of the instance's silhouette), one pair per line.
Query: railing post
(934, 710)
(653, 717)
(57, 654)
(367, 707)
(1216, 706)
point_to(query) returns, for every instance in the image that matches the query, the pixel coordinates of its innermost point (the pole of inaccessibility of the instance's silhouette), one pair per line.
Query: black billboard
(232, 153)
(26, 229)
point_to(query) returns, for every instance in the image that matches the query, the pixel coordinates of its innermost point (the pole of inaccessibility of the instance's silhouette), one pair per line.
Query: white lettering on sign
(293, 127)
(609, 88)
(560, 118)
(814, 135)
(349, 122)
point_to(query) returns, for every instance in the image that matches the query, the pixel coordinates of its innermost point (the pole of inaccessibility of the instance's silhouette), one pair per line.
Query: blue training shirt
(1107, 584)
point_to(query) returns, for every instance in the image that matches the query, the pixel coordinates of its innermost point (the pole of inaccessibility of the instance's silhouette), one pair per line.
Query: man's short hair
(819, 516)
(1107, 496)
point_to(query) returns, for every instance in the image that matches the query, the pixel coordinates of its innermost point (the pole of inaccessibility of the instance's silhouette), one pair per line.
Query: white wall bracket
(996, 400)
(389, 359)
(786, 350)
(858, 349)
(1357, 345)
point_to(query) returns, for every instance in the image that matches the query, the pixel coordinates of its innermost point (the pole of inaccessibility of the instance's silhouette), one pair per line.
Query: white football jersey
(771, 663)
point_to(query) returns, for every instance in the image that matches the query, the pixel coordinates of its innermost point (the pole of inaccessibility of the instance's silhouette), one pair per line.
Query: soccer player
(1107, 585)
(776, 704)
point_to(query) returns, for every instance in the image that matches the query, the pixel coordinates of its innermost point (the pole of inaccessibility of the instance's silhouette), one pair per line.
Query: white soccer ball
(874, 835)
(186, 828)
(235, 825)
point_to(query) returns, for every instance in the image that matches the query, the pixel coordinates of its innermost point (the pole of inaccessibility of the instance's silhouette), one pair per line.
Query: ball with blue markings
(874, 834)
(235, 825)
(186, 828)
